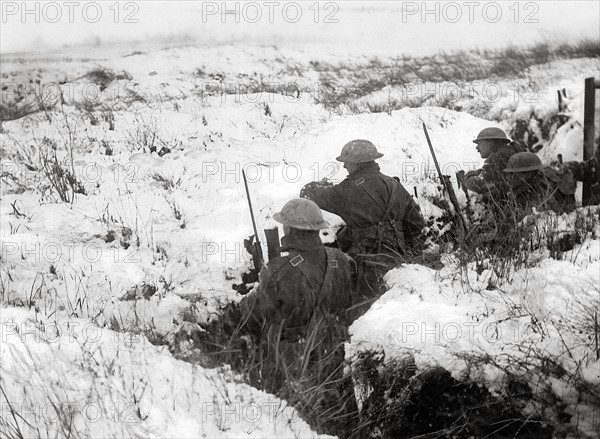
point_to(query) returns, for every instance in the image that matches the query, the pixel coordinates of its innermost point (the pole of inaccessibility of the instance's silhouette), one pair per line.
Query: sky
(365, 27)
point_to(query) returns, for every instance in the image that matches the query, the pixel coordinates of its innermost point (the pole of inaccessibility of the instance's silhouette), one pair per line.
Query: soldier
(533, 185)
(306, 284)
(496, 148)
(297, 316)
(380, 215)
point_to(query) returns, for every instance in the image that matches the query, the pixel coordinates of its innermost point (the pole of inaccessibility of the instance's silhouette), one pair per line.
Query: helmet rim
(342, 159)
(302, 219)
(359, 151)
(523, 162)
(492, 133)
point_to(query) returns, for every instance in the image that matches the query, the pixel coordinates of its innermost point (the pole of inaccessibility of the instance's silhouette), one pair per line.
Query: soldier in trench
(297, 316)
(383, 222)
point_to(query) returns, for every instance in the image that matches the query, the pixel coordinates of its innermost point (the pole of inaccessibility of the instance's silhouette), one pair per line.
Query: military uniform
(295, 321)
(490, 179)
(546, 190)
(298, 315)
(309, 283)
(588, 171)
(379, 213)
(383, 222)
(536, 186)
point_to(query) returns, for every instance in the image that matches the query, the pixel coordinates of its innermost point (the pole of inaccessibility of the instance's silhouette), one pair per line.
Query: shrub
(143, 134)
(61, 176)
(397, 400)
(168, 183)
(342, 85)
(103, 77)
(308, 374)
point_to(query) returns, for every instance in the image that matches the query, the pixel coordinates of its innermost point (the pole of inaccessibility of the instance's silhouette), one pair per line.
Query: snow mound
(72, 378)
(455, 318)
(177, 222)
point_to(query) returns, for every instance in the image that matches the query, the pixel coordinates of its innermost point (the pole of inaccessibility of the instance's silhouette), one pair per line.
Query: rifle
(445, 179)
(273, 246)
(257, 254)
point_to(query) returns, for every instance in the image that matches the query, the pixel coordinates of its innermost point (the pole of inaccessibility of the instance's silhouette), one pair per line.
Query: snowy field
(148, 247)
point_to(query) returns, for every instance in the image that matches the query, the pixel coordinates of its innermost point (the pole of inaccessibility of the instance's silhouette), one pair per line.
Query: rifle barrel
(446, 182)
(437, 165)
(250, 205)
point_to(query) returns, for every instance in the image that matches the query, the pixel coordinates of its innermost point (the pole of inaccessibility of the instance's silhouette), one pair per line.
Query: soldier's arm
(475, 182)
(328, 198)
(491, 172)
(588, 171)
(489, 178)
(260, 304)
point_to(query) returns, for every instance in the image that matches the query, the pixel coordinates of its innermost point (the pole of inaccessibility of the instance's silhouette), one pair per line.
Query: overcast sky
(409, 27)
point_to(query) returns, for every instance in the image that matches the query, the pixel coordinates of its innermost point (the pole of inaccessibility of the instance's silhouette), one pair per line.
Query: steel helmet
(302, 214)
(492, 133)
(359, 151)
(523, 162)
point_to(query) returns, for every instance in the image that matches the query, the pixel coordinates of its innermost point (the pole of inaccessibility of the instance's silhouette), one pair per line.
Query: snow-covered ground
(538, 326)
(154, 246)
(70, 378)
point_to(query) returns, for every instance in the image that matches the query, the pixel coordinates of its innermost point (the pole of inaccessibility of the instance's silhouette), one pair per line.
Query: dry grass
(342, 85)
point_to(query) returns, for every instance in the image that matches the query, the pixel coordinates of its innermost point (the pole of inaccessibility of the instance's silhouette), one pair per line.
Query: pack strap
(390, 204)
(332, 264)
(317, 292)
(377, 229)
(317, 314)
(296, 261)
(359, 183)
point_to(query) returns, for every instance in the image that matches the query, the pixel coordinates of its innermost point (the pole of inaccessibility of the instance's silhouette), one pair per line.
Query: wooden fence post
(589, 111)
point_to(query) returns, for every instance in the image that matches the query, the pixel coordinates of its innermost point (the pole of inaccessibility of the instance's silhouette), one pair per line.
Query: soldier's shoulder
(498, 158)
(374, 178)
(388, 177)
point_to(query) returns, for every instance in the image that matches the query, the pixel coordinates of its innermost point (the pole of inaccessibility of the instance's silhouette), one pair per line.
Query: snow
(455, 319)
(208, 186)
(506, 100)
(177, 222)
(111, 384)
